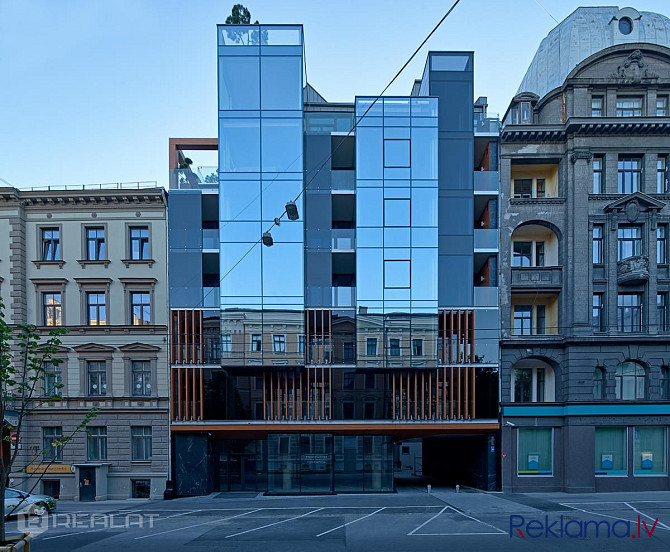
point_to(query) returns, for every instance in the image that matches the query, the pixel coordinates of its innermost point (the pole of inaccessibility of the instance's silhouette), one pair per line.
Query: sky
(91, 90)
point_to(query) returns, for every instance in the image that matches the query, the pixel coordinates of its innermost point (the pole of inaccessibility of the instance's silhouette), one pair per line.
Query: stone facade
(109, 289)
(584, 197)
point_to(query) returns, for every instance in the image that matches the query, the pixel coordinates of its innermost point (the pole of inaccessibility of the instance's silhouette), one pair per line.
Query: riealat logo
(560, 528)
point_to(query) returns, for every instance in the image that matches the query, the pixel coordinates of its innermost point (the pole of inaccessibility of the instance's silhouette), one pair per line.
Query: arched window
(630, 380)
(665, 382)
(533, 382)
(598, 383)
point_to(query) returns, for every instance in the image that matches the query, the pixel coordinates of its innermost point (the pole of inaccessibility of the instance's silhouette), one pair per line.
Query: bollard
(429, 488)
(458, 488)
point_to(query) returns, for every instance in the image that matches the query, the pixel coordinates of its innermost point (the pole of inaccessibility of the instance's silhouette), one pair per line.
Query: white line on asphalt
(660, 524)
(478, 520)
(427, 522)
(275, 523)
(350, 522)
(568, 504)
(619, 502)
(110, 528)
(454, 534)
(197, 525)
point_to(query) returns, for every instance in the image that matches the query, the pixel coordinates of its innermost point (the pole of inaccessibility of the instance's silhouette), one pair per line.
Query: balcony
(633, 271)
(543, 277)
(486, 124)
(343, 239)
(486, 296)
(344, 296)
(210, 238)
(487, 182)
(486, 240)
(343, 181)
(199, 179)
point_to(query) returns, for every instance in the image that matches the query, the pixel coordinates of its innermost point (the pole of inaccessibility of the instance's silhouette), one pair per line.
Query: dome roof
(585, 32)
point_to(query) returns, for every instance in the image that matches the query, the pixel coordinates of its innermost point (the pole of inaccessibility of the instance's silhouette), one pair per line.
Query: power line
(548, 12)
(341, 142)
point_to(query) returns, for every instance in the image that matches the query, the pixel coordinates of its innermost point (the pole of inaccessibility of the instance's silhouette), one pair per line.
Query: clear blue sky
(91, 90)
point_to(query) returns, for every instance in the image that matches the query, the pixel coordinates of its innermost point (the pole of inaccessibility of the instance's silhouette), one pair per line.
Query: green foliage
(212, 177)
(240, 15)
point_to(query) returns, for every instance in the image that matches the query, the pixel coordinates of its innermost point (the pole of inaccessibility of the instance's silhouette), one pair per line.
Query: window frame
(662, 105)
(632, 110)
(634, 241)
(601, 326)
(47, 444)
(256, 339)
(140, 436)
(371, 341)
(597, 111)
(635, 173)
(598, 171)
(146, 372)
(279, 343)
(534, 473)
(100, 321)
(662, 244)
(96, 440)
(52, 379)
(56, 243)
(130, 239)
(637, 312)
(96, 368)
(619, 381)
(662, 174)
(57, 308)
(598, 244)
(599, 377)
(141, 306)
(96, 242)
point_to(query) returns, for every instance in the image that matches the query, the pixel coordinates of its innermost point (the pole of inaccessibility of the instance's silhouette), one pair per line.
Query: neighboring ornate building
(92, 260)
(585, 279)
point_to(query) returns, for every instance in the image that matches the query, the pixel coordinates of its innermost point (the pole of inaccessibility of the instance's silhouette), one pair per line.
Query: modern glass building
(361, 329)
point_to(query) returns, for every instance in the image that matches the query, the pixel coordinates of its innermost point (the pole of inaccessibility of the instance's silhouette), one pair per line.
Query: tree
(24, 357)
(240, 15)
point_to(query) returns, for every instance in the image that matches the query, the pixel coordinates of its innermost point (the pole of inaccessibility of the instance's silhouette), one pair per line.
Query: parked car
(19, 502)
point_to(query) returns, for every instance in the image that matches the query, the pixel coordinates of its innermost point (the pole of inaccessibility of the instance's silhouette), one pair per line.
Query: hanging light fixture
(266, 238)
(292, 211)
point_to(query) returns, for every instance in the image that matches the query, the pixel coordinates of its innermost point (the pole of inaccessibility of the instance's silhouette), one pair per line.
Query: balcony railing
(489, 124)
(343, 238)
(210, 296)
(343, 180)
(633, 271)
(537, 277)
(486, 239)
(487, 182)
(189, 179)
(486, 296)
(344, 296)
(210, 238)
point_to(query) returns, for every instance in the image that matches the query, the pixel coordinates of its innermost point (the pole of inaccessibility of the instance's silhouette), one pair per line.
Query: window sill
(140, 461)
(85, 262)
(128, 262)
(40, 264)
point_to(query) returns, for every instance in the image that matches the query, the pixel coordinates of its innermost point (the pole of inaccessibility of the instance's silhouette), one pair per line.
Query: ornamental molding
(581, 154)
(634, 70)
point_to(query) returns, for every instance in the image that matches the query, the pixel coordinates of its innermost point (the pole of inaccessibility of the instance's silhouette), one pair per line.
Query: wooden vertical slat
(474, 374)
(451, 393)
(423, 395)
(451, 336)
(459, 392)
(194, 415)
(300, 395)
(330, 392)
(202, 339)
(192, 337)
(309, 395)
(415, 395)
(444, 393)
(180, 338)
(466, 340)
(272, 398)
(393, 395)
(323, 392)
(265, 398)
(400, 403)
(188, 393)
(472, 341)
(172, 395)
(202, 393)
(466, 394)
(307, 336)
(458, 336)
(430, 395)
(180, 394)
(294, 414)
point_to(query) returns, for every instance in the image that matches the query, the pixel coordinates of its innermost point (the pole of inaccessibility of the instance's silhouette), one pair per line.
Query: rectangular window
(141, 488)
(523, 385)
(629, 312)
(369, 380)
(417, 347)
(52, 447)
(140, 308)
(96, 443)
(396, 274)
(141, 443)
(649, 447)
(597, 103)
(662, 308)
(522, 254)
(629, 106)
(369, 412)
(348, 380)
(597, 244)
(539, 253)
(348, 351)
(540, 320)
(629, 242)
(523, 188)
(96, 310)
(396, 212)
(51, 244)
(52, 309)
(396, 153)
(279, 343)
(53, 379)
(394, 347)
(371, 346)
(139, 242)
(661, 106)
(540, 187)
(661, 244)
(523, 319)
(141, 372)
(526, 113)
(611, 451)
(97, 378)
(662, 174)
(348, 410)
(598, 165)
(301, 344)
(629, 170)
(535, 450)
(598, 316)
(226, 343)
(95, 243)
(256, 343)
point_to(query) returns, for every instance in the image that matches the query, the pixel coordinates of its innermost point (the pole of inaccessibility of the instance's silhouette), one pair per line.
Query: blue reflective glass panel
(396, 212)
(424, 153)
(369, 153)
(248, 232)
(283, 271)
(282, 145)
(239, 82)
(396, 153)
(369, 262)
(369, 206)
(369, 237)
(281, 82)
(239, 145)
(240, 200)
(276, 193)
(245, 278)
(396, 274)
(424, 274)
(424, 206)
(396, 237)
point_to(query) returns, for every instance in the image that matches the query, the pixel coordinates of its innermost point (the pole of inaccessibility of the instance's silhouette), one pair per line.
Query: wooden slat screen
(187, 336)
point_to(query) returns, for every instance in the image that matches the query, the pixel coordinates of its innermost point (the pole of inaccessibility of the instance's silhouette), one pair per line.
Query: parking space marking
(660, 524)
(570, 505)
(271, 524)
(350, 522)
(196, 525)
(427, 522)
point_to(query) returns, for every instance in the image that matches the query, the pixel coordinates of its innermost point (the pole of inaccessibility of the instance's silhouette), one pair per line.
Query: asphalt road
(410, 520)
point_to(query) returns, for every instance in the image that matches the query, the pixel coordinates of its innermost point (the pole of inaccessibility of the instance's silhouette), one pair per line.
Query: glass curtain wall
(396, 231)
(260, 169)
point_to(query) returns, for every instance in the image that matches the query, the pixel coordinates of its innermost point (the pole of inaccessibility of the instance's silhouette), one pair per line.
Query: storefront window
(649, 446)
(535, 450)
(611, 451)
